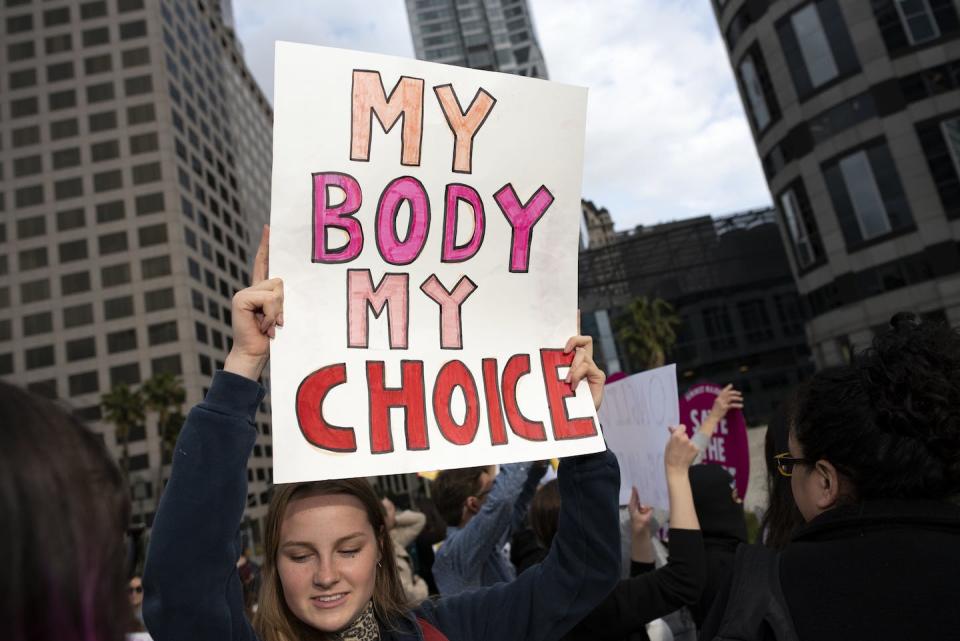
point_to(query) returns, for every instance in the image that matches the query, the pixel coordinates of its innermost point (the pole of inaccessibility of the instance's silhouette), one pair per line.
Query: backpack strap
(757, 605)
(430, 633)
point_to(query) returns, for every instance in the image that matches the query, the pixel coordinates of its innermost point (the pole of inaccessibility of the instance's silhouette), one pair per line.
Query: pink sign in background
(729, 446)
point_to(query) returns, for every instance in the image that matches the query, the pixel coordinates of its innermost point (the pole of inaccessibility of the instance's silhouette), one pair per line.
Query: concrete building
(730, 283)
(855, 110)
(134, 179)
(496, 35)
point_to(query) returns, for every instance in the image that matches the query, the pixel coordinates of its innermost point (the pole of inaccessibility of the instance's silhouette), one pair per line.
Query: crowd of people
(860, 540)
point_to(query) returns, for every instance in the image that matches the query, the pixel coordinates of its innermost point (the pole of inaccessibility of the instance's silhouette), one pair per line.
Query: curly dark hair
(890, 421)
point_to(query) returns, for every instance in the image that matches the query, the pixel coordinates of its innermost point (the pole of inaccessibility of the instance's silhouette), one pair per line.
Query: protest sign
(728, 446)
(637, 413)
(425, 221)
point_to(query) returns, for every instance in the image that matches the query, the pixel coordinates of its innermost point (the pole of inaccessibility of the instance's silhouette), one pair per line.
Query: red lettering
(558, 391)
(498, 431)
(517, 366)
(452, 375)
(409, 396)
(309, 402)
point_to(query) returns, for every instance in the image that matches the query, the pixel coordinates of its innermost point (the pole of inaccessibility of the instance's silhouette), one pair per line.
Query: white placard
(375, 232)
(637, 413)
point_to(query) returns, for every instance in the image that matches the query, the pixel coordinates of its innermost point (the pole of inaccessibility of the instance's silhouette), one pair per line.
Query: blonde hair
(274, 621)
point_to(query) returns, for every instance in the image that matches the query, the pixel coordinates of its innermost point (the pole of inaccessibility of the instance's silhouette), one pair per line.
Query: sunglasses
(785, 463)
(138, 589)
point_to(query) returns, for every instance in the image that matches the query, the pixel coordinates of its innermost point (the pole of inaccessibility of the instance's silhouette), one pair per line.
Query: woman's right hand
(257, 312)
(680, 452)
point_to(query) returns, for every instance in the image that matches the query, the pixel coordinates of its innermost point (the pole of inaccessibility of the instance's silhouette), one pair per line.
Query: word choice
(499, 396)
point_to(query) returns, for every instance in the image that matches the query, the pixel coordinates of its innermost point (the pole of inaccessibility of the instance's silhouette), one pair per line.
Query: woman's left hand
(583, 367)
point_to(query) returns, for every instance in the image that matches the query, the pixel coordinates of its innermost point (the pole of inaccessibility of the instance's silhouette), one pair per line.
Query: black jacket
(877, 570)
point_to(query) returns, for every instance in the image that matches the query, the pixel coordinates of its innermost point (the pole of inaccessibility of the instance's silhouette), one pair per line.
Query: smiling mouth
(329, 600)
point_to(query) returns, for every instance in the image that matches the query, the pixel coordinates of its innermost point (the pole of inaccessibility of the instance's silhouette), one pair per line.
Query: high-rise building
(730, 284)
(496, 35)
(854, 106)
(135, 152)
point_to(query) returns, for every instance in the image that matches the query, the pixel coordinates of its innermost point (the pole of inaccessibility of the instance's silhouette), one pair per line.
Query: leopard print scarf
(365, 628)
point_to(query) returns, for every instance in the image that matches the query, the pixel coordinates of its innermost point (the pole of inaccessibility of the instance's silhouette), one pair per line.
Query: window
(755, 320)
(106, 150)
(918, 20)
(129, 30)
(719, 329)
(112, 243)
(31, 227)
(62, 99)
(119, 307)
(205, 367)
(77, 315)
(144, 143)
(28, 196)
(59, 44)
(138, 85)
(25, 136)
(125, 375)
(20, 51)
(60, 71)
(100, 92)
(94, 37)
(98, 64)
(70, 219)
(152, 235)
(140, 114)
(68, 188)
(816, 45)
(53, 17)
(114, 275)
(81, 348)
(90, 10)
(65, 158)
(33, 258)
(110, 211)
(867, 195)
(103, 121)
(941, 146)
(149, 203)
(122, 341)
(66, 128)
(158, 299)
(167, 365)
(908, 23)
(136, 57)
(73, 250)
(160, 333)
(6, 330)
(129, 5)
(75, 283)
(146, 173)
(201, 332)
(107, 180)
(34, 324)
(85, 383)
(155, 267)
(19, 24)
(40, 357)
(27, 166)
(756, 83)
(24, 107)
(23, 78)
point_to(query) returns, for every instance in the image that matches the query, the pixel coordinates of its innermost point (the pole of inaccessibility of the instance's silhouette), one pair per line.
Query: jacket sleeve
(191, 586)
(490, 526)
(583, 565)
(408, 527)
(640, 599)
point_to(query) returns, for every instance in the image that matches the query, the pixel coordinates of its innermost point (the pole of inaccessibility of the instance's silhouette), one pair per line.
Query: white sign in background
(532, 137)
(636, 414)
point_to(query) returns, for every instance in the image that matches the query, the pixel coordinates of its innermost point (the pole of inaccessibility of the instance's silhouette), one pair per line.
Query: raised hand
(680, 452)
(583, 367)
(640, 514)
(727, 400)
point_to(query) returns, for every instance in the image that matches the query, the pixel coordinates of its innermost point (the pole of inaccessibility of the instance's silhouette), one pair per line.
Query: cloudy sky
(666, 134)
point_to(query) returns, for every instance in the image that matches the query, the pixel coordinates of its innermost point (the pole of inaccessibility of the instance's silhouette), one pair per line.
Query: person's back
(874, 464)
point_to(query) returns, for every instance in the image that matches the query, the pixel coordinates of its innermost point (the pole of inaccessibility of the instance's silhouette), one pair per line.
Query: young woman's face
(327, 560)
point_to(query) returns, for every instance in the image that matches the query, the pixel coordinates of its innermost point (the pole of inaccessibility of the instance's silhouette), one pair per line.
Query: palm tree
(163, 394)
(648, 331)
(123, 407)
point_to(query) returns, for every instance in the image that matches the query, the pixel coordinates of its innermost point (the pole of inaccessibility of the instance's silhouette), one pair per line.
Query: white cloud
(666, 133)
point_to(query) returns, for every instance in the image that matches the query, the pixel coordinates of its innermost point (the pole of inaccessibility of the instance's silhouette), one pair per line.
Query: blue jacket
(473, 556)
(192, 589)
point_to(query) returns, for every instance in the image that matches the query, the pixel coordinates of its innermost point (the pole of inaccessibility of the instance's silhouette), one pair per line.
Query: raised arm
(583, 564)
(192, 589)
(727, 400)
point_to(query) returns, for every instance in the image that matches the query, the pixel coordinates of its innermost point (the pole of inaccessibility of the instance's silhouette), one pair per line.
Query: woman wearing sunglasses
(874, 467)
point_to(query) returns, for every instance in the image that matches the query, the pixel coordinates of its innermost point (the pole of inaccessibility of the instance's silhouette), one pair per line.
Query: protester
(874, 465)
(482, 509)
(329, 571)
(404, 527)
(64, 508)
(531, 543)
(649, 593)
(781, 516)
(720, 512)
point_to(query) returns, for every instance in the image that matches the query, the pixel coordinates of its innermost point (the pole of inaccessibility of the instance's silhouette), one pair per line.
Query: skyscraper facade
(135, 153)
(855, 111)
(496, 35)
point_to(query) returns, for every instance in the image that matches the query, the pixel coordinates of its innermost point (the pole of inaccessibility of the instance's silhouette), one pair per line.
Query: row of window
(63, 43)
(100, 182)
(63, 15)
(67, 98)
(80, 282)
